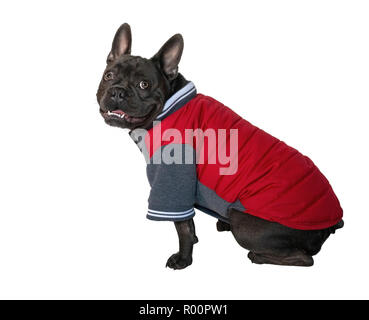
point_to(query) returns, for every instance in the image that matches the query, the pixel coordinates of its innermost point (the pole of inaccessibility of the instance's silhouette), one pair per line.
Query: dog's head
(133, 89)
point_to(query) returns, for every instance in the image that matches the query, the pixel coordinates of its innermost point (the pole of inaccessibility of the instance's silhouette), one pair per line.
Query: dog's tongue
(118, 111)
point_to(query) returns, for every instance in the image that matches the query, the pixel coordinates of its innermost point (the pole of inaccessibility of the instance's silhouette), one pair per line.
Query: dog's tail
(339, 225)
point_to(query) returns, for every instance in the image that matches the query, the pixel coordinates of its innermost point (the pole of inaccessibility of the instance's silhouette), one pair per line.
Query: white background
(73, 191)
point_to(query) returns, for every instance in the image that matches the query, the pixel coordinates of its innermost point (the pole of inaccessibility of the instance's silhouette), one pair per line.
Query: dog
(275, 201)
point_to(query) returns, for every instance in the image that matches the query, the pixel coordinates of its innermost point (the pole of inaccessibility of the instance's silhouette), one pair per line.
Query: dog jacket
(270, 180)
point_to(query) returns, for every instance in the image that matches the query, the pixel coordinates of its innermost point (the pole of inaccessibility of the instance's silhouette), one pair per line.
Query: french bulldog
(132, 94)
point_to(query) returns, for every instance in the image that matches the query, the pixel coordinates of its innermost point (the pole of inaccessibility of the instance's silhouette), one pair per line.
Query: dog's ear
(121, 43)
(169, 56)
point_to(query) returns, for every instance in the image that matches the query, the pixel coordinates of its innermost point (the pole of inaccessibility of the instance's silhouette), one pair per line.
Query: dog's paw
(177, 262)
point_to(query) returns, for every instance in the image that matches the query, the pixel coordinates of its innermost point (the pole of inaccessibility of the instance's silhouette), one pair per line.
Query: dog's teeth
(122, 116)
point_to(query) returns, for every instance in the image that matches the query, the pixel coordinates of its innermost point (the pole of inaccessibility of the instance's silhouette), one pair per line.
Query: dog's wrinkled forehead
(128, 68)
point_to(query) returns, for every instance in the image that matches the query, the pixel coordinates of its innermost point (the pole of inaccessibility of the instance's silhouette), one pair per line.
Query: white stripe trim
(169, 216)
(170, 212)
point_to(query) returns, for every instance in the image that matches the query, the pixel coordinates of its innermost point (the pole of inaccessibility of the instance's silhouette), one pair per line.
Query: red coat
(273, 180)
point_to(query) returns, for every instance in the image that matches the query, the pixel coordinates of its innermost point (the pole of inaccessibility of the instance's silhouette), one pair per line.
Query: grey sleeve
(173, 183)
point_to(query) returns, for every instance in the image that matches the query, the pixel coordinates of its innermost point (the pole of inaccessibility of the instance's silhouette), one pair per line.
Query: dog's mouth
(122, 116)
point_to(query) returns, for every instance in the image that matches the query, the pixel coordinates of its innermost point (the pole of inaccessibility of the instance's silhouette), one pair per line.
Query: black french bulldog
(132, 94)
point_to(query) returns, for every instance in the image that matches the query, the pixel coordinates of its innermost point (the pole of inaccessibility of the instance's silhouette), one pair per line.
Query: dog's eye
(143, 85)
(108, 76)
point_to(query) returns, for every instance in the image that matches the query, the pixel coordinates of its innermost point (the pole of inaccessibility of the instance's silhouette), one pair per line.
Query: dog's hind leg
(223, 226)
(292, 258)
(273, 243)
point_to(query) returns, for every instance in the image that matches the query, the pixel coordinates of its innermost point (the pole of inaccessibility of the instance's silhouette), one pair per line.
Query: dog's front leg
(187, 238)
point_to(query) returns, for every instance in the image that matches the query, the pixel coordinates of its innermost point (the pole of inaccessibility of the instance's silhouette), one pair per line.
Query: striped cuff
(170, 216)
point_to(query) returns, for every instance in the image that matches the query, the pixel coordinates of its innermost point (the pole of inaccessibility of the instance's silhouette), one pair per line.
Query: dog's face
(133, 90)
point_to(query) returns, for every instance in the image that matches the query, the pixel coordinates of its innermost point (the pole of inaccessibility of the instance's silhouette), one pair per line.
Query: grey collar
(178, 100)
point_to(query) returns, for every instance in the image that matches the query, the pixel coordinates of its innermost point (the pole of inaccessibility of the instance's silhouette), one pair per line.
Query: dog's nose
(117, 95)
